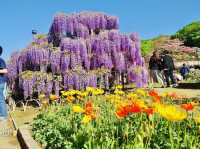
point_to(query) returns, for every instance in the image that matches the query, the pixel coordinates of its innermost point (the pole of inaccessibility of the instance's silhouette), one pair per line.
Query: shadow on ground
(189, 86)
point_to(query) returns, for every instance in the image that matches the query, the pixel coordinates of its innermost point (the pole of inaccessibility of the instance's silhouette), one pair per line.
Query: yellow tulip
(194, 103)
(141, 92)
(77, 109)
(118, 87)
(171, 112)
(89, 89)
(86, 119)
(140, 103)
(196, 115)
(198, 131)
(97, 92)
(132, 96)
(79, 97)
(64, 93)
(84, 94)
(72, 92)
(70, 99)
(164, 94)
(119, 92)
(197, 119)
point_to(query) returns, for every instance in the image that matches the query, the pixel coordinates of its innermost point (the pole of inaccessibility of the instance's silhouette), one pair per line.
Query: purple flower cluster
(55, 60)
(40, 82)
(79, 79)
(80, 24)
(86, 42)
(13, 67)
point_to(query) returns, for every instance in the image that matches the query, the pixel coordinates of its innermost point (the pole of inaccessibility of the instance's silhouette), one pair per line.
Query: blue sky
(147, 17)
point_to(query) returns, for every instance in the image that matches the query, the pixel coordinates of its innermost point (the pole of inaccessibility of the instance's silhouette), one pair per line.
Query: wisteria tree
(79, 49)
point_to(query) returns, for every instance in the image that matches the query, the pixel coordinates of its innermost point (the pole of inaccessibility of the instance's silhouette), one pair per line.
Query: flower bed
(139, 119)
(193, 77)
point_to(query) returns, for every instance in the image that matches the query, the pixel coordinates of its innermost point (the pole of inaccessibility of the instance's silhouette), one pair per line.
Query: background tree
(190, 34)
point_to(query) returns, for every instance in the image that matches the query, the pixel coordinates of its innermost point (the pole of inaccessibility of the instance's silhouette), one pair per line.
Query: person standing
(168, 66)
(155, 69)
(184, 71)
(3, 79)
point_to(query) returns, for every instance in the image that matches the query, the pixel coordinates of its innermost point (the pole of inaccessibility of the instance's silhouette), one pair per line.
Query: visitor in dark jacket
(168, 66)
(155, 69)
(184, 71)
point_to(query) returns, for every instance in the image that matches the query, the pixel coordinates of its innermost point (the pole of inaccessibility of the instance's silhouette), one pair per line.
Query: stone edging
(24, 137)
(26, 140)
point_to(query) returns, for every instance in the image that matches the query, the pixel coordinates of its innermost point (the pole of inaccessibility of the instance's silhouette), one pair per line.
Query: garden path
(8, 138)
(190, 93)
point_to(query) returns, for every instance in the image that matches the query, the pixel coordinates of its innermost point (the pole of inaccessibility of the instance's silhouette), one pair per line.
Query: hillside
(190, 34)
(183, 44)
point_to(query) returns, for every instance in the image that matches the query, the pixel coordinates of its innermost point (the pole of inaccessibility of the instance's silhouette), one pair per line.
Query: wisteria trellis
(70, 56)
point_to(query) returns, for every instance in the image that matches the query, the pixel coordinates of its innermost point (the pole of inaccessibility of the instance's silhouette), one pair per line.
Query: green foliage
(190, 34)
(194, 76)
(40, 36)
(147, 46)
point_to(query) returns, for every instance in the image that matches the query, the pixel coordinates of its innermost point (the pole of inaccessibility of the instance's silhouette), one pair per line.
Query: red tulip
(155, 95)
(149, 111)
(187, 106)
(122, 112)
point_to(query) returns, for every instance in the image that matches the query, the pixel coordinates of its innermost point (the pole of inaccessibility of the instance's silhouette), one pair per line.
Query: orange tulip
(149, 111)
(122, 112)
(187, 106)
(70, 99)
(93, 116)
(88, 104)
(133, 108)
(125, 110)
(88, 108)
(155, 95)
(173, 95)
(54, 97)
